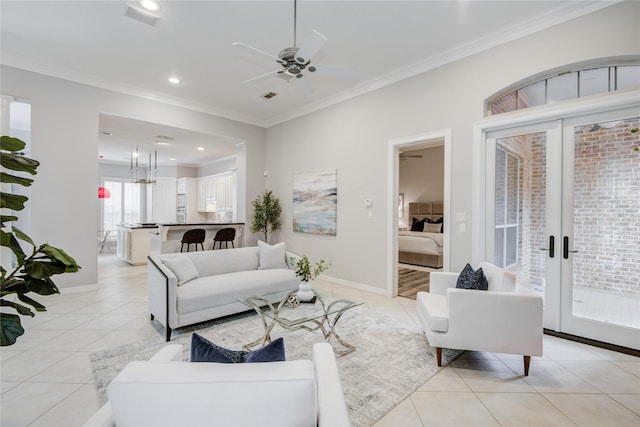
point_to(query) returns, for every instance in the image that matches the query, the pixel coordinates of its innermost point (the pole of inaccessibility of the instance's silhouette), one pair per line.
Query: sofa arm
(505, 322)
(169, 353)
(102, 418)
(440, 281)
(162, 291)
(332, 411)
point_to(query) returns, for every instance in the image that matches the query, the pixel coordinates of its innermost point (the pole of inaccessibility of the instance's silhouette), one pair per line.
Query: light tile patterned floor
(46, 378)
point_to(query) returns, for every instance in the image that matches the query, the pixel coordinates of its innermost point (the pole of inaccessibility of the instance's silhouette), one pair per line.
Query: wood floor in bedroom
(412, 279)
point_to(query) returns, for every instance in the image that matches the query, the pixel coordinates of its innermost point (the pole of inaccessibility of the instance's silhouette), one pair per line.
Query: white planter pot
(305, 294)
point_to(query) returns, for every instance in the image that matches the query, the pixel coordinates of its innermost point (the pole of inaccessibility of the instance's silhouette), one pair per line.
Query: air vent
(268, 95)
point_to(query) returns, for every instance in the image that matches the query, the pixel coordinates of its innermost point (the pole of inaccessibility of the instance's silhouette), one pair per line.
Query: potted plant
(305, 271)
(266, 214)
(29, 272)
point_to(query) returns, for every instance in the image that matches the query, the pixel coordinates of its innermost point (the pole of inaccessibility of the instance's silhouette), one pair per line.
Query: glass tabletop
(284, 307)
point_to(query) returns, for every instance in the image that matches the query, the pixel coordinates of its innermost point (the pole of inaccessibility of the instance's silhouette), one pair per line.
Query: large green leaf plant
(33, 269)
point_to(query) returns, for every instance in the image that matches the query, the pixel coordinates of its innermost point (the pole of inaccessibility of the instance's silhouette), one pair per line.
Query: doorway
(561, 212)
(412, 149)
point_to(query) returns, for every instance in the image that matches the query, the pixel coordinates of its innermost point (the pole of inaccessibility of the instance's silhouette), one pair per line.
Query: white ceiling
(94, 42)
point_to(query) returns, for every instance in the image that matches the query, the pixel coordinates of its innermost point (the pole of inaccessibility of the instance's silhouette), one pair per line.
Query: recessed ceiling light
(200, 148)
(149, 5)
(107, 133)
(172, 159)
(162, 143)
(174, 80)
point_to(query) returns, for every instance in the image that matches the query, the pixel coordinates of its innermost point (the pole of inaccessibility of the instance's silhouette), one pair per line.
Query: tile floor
(46, 378)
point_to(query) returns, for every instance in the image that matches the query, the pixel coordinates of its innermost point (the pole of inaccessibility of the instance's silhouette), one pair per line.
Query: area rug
(410, 282)
(391, 361)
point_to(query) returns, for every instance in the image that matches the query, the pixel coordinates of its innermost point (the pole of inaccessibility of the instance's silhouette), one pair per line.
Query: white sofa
(218, 278)
(165, 391)
(506, 318)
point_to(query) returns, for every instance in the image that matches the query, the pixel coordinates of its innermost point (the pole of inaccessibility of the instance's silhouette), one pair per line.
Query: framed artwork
(401, 205)
(315, 200)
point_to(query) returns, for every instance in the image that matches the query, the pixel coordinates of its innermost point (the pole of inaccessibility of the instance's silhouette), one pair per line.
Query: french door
(563, 213)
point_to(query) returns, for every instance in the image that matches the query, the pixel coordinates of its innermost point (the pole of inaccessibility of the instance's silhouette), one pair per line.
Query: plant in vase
(305, 271)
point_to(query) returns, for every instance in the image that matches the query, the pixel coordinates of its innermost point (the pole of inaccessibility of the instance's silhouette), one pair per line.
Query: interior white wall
(422, 179)
(64, 122)
(352, 137)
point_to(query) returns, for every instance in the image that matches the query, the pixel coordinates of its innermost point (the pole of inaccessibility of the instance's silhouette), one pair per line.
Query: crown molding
(15, 60)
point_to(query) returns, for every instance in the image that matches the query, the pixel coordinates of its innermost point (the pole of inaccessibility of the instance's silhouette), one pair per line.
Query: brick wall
(607, 208)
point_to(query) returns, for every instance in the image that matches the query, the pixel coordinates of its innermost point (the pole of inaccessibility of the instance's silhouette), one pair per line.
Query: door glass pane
(606, 223)
(521, 221)
(532, 95)
(594, 81)
(627, 77)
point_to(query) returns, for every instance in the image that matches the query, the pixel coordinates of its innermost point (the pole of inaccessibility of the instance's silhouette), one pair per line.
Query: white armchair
(506, 318)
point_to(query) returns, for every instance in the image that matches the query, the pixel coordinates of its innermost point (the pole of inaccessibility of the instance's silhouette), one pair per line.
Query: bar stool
(194, 236)
(225, 235)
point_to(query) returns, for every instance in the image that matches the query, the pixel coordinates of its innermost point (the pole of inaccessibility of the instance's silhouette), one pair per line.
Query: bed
(423, 248)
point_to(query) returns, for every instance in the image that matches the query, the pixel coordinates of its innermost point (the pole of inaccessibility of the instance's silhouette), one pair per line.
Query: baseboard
(595, 343)
(354, 285)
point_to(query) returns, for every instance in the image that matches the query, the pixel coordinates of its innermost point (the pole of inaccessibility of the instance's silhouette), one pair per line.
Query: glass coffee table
(284, 309)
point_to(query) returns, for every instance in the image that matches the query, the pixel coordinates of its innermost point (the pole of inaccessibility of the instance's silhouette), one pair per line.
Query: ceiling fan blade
(261, 77)
(258, 51)
(311, 45)
(333, 71)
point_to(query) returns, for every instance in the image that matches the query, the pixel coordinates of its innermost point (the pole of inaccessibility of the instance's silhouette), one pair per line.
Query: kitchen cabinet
(218, 190)
(164, 201)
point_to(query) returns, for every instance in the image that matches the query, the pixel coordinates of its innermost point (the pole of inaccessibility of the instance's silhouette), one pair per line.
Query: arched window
(571, 82)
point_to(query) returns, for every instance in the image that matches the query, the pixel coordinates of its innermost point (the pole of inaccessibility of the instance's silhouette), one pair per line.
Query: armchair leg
(527, 361)
(152, 316)
(439, 356)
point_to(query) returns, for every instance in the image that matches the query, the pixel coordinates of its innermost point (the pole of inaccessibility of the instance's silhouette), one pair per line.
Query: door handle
(551, 248)
(565, 248)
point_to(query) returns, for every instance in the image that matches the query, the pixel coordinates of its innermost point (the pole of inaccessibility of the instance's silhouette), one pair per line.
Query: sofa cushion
(472, 279)
(271, 256)
(210, 263)
(215, 291)
(282, 394)
(203, 350)
(182, 267)
(434, 307)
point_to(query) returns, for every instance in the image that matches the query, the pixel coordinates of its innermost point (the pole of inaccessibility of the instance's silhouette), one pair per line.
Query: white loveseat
(191, 287)
(165, 391)
(506, 318)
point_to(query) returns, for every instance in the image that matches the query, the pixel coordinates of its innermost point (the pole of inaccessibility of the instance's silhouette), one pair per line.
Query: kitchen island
(134, 242)
(166, 238)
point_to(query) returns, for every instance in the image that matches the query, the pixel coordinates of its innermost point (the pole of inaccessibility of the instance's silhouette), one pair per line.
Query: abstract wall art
(315, 200)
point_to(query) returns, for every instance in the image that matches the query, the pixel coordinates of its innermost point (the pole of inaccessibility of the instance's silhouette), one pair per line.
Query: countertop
(134, 226)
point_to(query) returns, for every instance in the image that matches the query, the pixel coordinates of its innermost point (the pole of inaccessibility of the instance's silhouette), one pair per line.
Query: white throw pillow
(182, 267)
(432, 228)
(271, 256)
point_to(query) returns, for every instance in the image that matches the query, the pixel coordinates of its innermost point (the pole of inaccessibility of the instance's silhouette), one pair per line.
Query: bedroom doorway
(419, 226)
(562, 199)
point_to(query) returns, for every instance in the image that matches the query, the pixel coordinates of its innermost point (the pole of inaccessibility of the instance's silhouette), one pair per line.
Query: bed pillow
(203, 350)
(271, 256)
(432, 228)
(435, 221)
(418, 224)
(182, 267)
(472, 279)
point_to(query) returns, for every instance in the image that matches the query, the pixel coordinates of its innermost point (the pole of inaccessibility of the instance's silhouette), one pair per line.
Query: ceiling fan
(294, 61)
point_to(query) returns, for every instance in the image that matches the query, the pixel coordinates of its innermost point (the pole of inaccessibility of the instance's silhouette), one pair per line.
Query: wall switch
(463, 228)
(370, 214)
(368, 203)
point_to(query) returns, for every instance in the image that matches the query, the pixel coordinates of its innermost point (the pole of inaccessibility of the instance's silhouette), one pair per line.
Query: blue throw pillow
(472, 279)
(203, 350)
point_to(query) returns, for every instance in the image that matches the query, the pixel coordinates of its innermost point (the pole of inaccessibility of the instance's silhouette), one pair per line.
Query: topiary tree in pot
(32, 270)
(266, 214)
